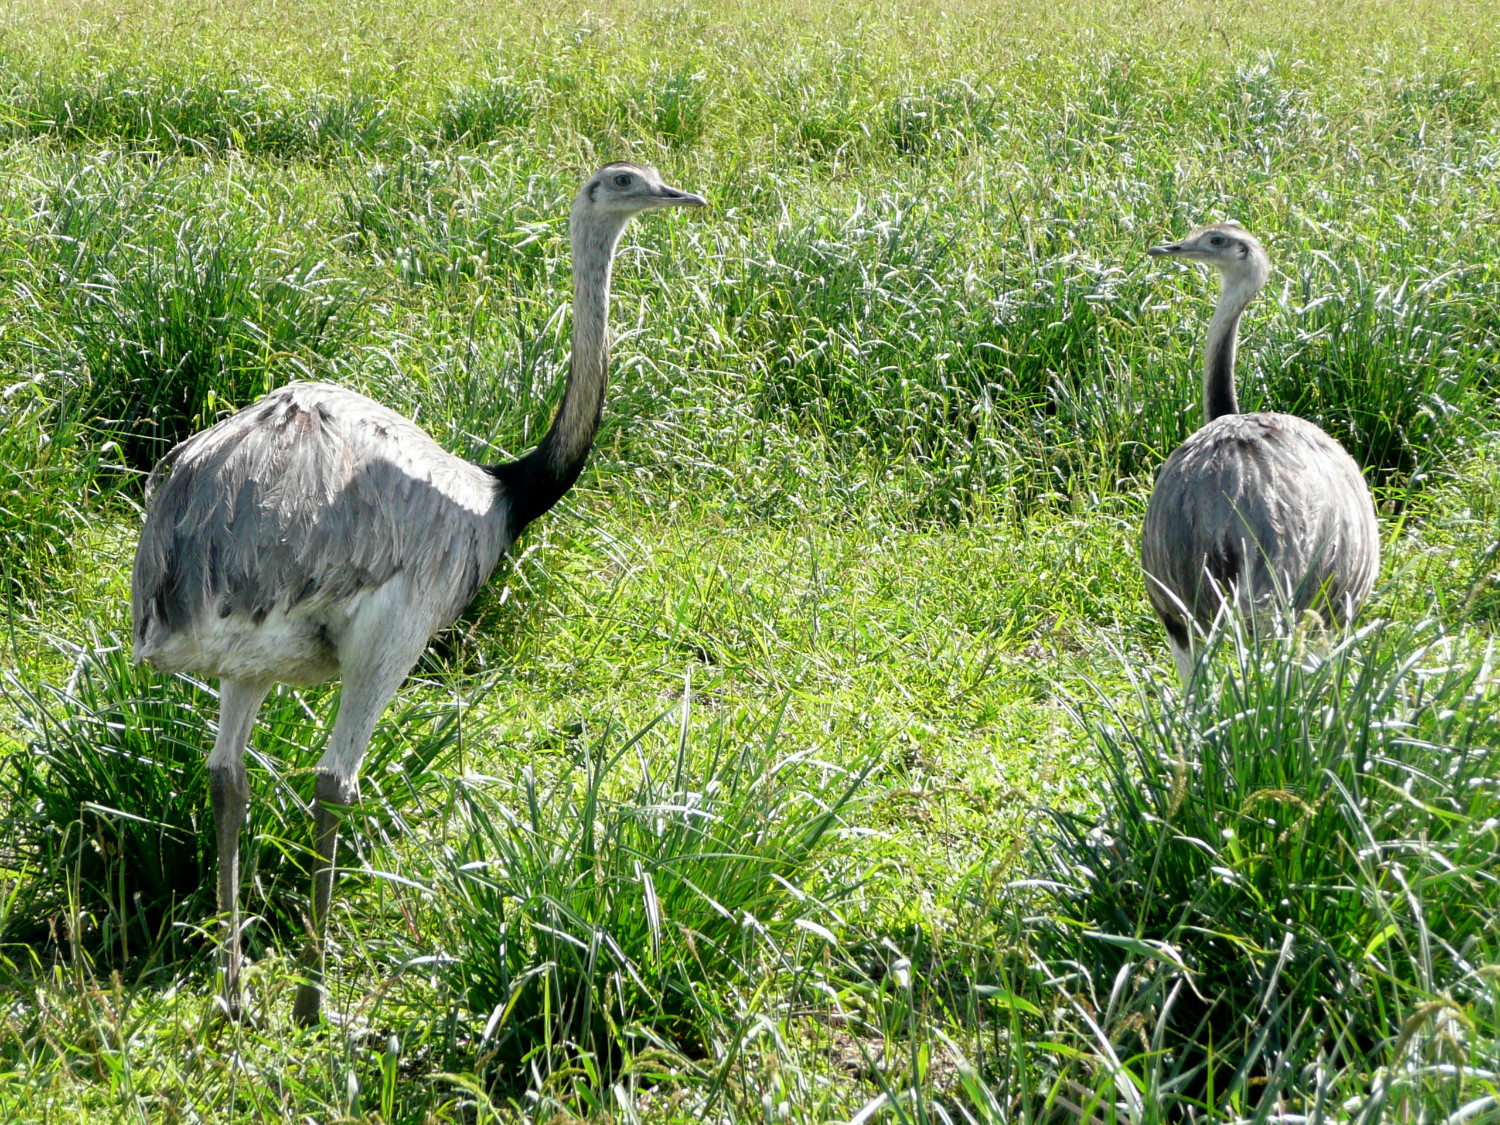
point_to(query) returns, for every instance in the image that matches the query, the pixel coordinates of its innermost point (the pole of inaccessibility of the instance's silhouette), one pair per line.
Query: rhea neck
(538, 480)
(1223, 333)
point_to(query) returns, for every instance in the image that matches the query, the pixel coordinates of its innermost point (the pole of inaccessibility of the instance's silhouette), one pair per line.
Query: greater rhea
(1259, 514)
(316, 534)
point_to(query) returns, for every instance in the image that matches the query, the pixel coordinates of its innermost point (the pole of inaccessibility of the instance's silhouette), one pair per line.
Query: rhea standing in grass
(318, 534)
(1254, 513)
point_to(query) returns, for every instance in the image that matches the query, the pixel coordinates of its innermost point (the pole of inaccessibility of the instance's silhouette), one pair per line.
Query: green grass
(107, 805)
(930, 838)
(596, 920)
(1314, 842)
(167, 306)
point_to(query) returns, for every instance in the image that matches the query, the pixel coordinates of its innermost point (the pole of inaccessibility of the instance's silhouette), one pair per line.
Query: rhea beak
(1169, 249)
(671, 197)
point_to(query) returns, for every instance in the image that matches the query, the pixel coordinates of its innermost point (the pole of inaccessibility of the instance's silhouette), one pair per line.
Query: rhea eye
(623, 180)
(1216, 240)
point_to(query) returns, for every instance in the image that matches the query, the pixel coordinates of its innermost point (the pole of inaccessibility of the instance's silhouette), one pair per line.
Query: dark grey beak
(1167, 249)
(671, 197)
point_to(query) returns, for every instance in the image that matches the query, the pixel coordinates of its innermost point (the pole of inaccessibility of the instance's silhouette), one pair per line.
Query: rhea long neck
(1223, 333)
(538, 480)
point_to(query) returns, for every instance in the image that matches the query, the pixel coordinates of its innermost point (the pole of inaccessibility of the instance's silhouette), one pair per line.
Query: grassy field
(818, 758)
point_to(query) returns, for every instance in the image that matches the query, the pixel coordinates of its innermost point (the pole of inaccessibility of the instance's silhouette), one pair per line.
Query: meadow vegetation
(819, 757)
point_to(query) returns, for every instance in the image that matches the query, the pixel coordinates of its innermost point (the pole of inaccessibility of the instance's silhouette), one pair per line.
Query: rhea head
(621, 190)
(1229, 248)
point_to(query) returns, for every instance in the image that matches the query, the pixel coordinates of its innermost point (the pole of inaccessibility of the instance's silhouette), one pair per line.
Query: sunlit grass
(870, 478)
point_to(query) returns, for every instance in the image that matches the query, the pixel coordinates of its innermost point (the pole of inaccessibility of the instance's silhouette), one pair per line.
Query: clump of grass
(829, 115)
(203, 112)
(1396, 372)
(835, 294)
(107, 812)
(1020, 383)
(1460, 96)
(1288, 867)
(617, 907)
(675, 107)
(490, 110)
(171, 310)
(40, 508)
(1048, 362)
(1262, 111)
(451, 220)
(949, 118)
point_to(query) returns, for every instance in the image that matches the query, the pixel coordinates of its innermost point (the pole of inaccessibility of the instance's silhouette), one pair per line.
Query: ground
(766, 740)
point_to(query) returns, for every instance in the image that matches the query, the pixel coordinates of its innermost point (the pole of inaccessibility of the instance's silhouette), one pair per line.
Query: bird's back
(262, 530)
(1268, 506)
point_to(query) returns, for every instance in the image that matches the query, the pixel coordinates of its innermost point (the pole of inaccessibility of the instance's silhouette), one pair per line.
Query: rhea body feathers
(316, 533)
(275, 528)
(1255, 513)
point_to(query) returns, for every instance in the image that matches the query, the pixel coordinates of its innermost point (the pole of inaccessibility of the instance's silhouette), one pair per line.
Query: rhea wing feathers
(303, 499)
(1267, 505)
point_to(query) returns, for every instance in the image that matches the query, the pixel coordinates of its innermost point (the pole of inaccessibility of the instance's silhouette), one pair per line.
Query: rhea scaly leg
(365, 694)
(331, 790)
(229, 793)
(1182, 656)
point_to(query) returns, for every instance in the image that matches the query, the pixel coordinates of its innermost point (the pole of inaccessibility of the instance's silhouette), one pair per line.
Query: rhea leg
(1180, 641)
(1182, 656)
(229, 793)
(365, 694)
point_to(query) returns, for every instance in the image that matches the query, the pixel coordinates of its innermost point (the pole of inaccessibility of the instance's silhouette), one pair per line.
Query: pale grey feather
(1267, 505)
(300, 501)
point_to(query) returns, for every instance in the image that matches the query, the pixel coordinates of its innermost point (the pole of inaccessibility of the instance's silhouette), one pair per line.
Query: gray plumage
(1259, 513)
(263, 527)
(317, 533)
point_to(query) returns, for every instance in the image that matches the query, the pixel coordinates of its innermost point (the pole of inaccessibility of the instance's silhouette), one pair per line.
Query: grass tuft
(1288, 866)
(485, 112)
(673, 107)
(173, 312)
(200, 113)
(949, 118)
(613, 909)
